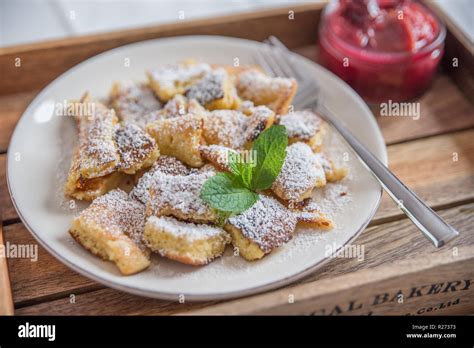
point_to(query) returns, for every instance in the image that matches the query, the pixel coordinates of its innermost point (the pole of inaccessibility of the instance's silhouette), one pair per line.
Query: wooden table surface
(433, 155)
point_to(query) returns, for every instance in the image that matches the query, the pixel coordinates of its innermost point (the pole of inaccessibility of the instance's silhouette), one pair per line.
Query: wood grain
(38, 280)
(11, 108)
(420, 153)
(6, 300)
(42, 62)
(7, 209)
(398, 240)
(383, 244)
(399, 288)
(458, 57)
(439, 169)
(443, 109)
(109, 302)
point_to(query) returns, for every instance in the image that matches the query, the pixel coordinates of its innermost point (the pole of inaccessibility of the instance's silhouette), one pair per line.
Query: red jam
(385, 49)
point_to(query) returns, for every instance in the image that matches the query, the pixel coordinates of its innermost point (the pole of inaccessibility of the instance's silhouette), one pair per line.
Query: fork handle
(431, 224)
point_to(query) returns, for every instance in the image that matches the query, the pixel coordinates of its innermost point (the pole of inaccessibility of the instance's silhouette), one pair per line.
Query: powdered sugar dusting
(187, 230)
(260, 117)
(217, 154)
(300, 172)
(136, 104)
(134, 145)
(116, 213)
(332, 198)
(169, 76)
(209, 88)
(304, 240)
(226, 128)
(179, 193)
(328, 199)
(231, 128)
(175, 107)
(96, 139)
(267, 223)
(165, 165)
(301, 124)
(253, 82)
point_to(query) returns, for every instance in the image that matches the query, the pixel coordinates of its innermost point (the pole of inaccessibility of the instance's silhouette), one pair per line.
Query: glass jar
(384, 49)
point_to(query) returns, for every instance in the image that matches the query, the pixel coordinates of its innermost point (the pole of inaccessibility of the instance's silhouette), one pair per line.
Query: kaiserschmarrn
(167, 136)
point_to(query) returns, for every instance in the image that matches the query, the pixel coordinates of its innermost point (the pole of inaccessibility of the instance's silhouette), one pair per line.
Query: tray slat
(458, 59)
(6, 300)
(11, 108)
(43, 62)
(444, 110)
(428, 166)
(422, 285)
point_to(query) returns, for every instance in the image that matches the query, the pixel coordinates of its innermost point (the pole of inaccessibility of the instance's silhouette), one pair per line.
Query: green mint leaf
(270, 149)
(246, 171)
(241, 169)
(225, 193)
(233, 160)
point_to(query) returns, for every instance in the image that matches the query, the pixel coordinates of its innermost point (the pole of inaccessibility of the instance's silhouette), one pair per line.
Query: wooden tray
(402, 273)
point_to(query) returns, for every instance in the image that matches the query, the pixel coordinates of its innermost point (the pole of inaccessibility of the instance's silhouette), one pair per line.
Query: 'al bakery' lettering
(432, 289)
(417, 291)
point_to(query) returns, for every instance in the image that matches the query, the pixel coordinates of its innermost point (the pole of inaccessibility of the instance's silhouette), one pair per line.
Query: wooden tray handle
(6, 299)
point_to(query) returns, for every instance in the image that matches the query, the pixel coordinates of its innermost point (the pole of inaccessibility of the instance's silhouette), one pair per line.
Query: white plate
(38, 159)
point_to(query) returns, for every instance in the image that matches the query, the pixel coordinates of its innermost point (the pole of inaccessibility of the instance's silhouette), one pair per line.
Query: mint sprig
(224, 192)
(235, 192)
(270, 147)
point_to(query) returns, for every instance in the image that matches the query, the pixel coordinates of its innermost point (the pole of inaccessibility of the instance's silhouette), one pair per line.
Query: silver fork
(275, 59)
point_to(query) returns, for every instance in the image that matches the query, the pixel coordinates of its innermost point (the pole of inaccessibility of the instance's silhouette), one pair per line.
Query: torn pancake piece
(225, 127)
(137, 149)
(174, 79)
(309, 214)
(275, 92)
(215, 90)
(179, 105)
(97, 148)
(233, 129)
(185, 242)
(302, 171)
(179, 196)
(164, 165)
(96, 157)
(332, 171)
(85, 189)
(218, 155)
(112, 228)
(136, 104)
(179, 137)
(304, 126)
(266, 225)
